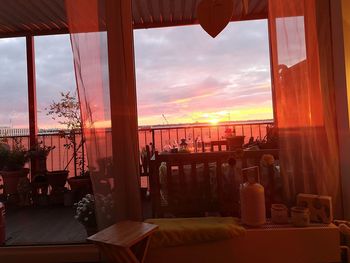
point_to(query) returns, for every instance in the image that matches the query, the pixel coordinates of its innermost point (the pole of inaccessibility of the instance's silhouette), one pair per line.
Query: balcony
(50, 219)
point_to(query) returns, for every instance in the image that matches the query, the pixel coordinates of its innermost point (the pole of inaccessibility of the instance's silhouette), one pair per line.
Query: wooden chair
(219, 144)
(195, 184)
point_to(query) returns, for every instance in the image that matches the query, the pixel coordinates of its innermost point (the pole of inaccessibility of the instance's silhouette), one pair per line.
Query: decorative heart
(214, 15)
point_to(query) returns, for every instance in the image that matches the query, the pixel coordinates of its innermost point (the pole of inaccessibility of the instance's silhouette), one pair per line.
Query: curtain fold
(109, 164)
(304, 98)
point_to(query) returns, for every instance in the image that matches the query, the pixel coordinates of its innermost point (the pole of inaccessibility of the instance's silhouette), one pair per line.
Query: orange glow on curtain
(304, 98)
(346, 30)
(104, 67)
(91, 68)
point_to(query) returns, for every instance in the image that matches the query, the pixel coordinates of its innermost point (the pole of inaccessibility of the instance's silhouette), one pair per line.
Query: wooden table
(124, 242)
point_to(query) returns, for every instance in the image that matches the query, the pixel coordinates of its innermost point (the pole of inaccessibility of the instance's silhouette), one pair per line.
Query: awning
(46, 17)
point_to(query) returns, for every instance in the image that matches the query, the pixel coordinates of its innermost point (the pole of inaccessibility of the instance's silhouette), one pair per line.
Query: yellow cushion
(185, 231)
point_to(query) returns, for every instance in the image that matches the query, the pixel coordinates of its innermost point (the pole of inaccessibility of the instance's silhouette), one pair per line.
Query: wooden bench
(196, 184)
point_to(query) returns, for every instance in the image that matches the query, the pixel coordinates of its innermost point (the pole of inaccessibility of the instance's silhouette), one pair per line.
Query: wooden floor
(48, 225)
(37, 226)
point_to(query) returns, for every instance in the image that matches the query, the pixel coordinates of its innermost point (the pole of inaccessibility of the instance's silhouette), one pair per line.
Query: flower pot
(11, 180)
(235, 142)
(57, 179)
(80, 186)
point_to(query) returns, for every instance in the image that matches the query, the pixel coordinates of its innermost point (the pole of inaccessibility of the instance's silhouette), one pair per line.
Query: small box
(320, 207)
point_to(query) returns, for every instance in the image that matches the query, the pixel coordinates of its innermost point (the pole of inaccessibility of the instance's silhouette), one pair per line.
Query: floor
(48, 225)
(51, 225)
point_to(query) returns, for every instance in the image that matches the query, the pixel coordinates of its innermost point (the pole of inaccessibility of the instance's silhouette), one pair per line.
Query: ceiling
(45, 17)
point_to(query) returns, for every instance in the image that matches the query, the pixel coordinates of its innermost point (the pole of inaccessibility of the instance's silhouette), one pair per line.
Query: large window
(185, 76)
(13, 84)
(37, 211)
(54, 74)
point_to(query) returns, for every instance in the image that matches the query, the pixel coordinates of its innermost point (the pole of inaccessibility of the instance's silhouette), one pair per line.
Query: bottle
(252, 197)
(183, 146)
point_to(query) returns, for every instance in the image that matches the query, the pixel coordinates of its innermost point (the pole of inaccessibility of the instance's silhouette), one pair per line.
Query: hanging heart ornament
(214, 15)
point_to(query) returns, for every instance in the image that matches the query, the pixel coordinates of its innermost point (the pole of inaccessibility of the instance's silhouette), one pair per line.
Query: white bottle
(252, 197)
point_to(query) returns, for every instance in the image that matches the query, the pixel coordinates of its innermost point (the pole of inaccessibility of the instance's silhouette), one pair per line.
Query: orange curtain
(304, 98)
(113, 169)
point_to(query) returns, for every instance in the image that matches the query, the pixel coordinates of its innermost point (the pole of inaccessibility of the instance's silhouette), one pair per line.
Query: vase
(57, 179)
(80, 186)
(11, 180)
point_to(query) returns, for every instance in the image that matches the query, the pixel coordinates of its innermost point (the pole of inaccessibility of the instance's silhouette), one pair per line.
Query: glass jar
(279, 214)
(300, 216)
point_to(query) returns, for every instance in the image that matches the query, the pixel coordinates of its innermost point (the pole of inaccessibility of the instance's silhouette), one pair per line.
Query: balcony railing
(157, 136)
(59, 158)
(163, 135)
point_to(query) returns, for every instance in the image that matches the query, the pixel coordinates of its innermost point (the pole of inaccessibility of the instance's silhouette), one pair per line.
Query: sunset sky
(182, 73)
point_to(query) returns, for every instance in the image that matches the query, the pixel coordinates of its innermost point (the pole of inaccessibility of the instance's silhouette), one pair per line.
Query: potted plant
(13, 170)
(271, 139)
(39, 153)
(67, 111)
(4, 151)
(80, 185)
(86, 211)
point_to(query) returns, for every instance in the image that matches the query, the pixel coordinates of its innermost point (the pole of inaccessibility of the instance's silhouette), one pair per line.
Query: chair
(219, 144)
(197, 184)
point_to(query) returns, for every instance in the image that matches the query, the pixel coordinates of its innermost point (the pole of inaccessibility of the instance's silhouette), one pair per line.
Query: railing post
(82, 152)
(153, 141)
(74, 151)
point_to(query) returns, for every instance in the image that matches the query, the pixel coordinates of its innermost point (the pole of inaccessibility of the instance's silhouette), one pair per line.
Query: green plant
(85, 209)
(4, 152)
(67, 112)
(40, 150)
(16, 157)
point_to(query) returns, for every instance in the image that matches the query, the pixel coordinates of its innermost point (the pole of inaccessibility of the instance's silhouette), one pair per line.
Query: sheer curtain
(304, 98)
(109, 164)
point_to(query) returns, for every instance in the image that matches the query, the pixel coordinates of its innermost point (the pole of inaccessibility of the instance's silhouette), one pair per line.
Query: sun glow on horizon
(214, 121)
(191, 78)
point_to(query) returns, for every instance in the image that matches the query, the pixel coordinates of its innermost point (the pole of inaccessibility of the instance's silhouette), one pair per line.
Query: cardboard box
(320, 207)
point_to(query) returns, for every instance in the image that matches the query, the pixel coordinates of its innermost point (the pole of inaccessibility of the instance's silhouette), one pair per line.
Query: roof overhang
(47, 17)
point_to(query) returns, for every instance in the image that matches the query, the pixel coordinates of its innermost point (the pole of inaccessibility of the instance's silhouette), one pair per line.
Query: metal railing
(160, 136)
(61, 157)
(157, 136)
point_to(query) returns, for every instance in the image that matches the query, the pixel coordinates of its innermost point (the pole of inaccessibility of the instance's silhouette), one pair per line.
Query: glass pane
(185, 76)
(55, 76)
(13, 86)
(14, 120)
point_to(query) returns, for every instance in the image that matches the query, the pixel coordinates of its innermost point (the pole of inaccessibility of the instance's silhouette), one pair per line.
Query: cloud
(181, 72)
(54, 73)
